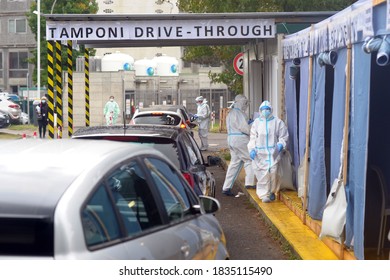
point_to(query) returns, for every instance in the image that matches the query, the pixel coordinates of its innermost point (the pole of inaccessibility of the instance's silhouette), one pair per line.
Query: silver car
(13, 110)
(86, 199)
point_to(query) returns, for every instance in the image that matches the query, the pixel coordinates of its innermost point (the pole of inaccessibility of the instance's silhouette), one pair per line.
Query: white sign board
(154, 29)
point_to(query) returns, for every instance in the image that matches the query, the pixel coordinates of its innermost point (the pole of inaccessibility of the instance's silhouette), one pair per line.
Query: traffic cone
(35, 135)
(24, 136)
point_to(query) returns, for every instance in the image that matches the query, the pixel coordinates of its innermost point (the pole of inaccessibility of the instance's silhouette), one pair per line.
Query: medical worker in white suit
(203, 118)
(238, 130)
(268, 137)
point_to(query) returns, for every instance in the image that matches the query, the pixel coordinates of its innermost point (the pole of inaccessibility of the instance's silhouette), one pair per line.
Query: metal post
(28, 98)
(39, 47)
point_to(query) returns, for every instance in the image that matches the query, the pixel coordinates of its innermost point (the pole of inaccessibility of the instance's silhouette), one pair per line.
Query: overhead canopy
(151, 30)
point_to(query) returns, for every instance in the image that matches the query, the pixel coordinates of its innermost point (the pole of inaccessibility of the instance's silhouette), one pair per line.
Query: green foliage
(224, 55)
(56, 7)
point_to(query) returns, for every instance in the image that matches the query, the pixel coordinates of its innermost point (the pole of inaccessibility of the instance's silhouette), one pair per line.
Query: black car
(174, 142)
(4, 119)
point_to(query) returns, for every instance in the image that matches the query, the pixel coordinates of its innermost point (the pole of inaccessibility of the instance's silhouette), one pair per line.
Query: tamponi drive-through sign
(238, 64)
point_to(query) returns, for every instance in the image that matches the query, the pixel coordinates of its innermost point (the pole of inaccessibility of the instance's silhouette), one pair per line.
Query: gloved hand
(195, 116)
(280, 147)
(252, 154)
(250, 121)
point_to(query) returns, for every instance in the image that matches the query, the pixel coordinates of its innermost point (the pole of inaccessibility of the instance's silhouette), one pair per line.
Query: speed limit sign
(238, 63)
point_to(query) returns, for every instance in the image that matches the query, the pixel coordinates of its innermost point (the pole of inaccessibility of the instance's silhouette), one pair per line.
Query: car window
(157, 119)
(193, 151)
(171, 188)
(134, 199)
(98, 218)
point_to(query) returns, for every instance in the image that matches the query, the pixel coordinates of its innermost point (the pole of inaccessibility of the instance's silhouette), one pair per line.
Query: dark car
(4, 119)
(174, 142)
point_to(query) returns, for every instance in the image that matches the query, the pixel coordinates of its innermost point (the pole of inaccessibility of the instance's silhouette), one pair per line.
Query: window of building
(18, 65)
(17, 25)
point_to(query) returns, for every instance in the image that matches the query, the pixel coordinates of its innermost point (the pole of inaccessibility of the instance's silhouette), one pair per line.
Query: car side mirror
(208, 205)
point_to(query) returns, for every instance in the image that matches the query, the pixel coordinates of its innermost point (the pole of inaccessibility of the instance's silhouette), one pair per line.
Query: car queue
(126, 192)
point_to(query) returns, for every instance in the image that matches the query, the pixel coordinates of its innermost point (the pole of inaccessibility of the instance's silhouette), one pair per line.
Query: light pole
(38, 13)
(28, 97)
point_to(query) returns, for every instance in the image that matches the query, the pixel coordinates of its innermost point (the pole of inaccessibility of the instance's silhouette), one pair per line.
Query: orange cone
(24, 136)
(35, 135)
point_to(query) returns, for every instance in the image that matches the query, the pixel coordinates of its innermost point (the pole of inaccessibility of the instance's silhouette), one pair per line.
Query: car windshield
(158, 119)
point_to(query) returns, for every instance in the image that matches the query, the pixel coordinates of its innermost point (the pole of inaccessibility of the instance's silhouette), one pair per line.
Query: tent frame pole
(306, 159)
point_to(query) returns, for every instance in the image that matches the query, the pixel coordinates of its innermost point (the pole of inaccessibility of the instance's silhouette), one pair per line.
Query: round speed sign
(238, 64)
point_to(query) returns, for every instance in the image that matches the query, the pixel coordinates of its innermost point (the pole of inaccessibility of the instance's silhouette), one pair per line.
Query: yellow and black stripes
(50, 86)
(59, 89)
(70, 88)
(86, 71)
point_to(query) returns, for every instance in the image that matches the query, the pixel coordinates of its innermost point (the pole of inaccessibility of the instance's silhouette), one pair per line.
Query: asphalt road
(248, 237)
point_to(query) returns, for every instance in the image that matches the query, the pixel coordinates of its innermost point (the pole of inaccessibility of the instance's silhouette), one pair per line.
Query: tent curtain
(303, 107)
(317, 175)
(356, 183)
(338, 113)
(291, 112)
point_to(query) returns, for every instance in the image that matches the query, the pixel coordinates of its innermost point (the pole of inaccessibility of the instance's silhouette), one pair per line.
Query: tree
(56, 7)
(225, 54)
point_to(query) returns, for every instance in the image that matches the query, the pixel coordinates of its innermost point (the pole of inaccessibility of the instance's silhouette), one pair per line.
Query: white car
(24, 118)
(13, 110)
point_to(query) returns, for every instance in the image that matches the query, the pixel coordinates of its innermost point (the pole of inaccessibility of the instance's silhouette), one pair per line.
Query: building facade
(16, 45)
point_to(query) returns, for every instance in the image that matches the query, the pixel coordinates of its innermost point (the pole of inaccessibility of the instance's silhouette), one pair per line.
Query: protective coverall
(238, 131)
(268, 137)
(111, 112)
(203, 118)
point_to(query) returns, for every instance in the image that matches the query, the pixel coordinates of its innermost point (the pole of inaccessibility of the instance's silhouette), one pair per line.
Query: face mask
(111, 99)
(43, 101)
(266, 113)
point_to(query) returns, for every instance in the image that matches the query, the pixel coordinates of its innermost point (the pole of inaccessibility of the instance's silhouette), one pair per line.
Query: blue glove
(280, 147)
(195, 116)
(250, 121)
(252, 154)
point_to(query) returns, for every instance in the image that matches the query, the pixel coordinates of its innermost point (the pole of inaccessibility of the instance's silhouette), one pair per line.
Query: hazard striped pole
(70, 88)
(50, 86)
(86, 71)
(59, 88)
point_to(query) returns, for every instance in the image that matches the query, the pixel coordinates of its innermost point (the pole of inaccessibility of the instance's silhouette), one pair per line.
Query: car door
(202, 176)
(124, 219)
(189, 228)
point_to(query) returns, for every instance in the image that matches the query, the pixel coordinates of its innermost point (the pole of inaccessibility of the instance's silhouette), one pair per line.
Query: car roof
(35, 173)
(167, 132)
(165, 111)
(162, 108)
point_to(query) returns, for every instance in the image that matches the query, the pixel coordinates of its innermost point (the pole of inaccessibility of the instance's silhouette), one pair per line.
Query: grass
(7, 136)
(22, 127)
